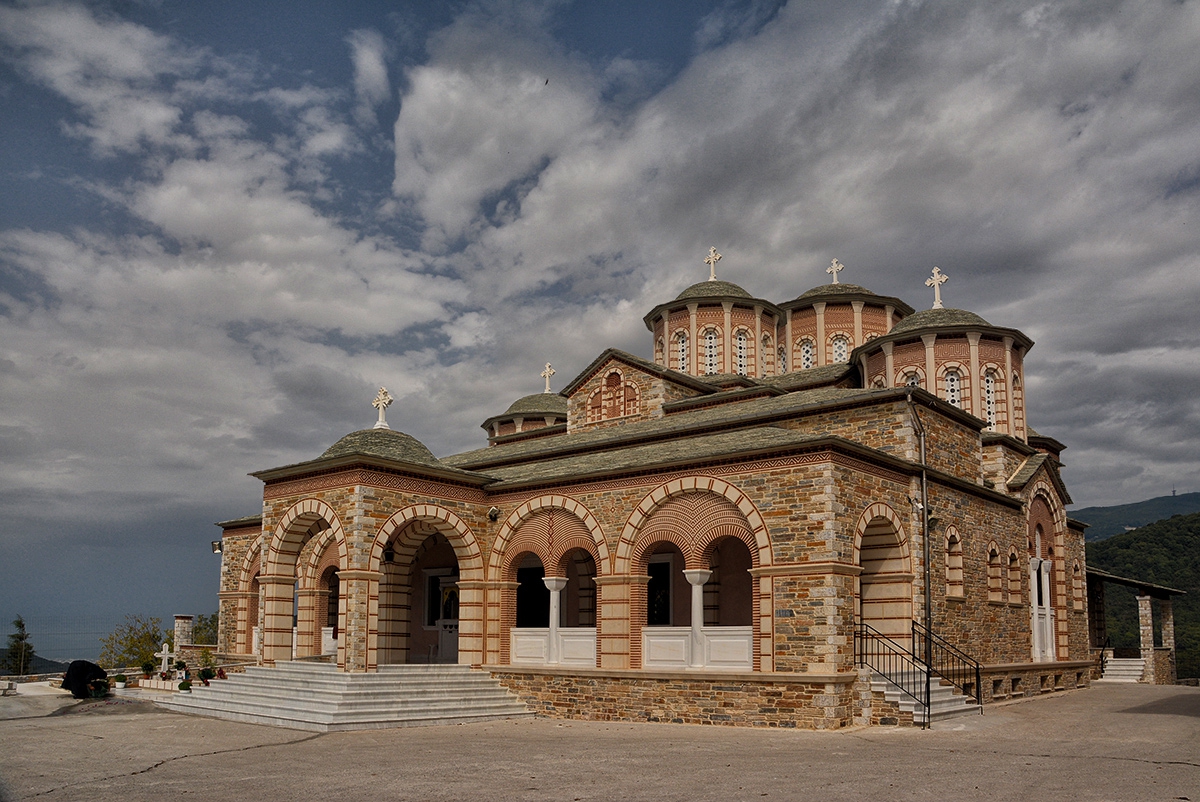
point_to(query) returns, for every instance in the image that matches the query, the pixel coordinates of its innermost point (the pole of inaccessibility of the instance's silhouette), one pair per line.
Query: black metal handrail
(949, 662)
(893, 662)
(1104, 655)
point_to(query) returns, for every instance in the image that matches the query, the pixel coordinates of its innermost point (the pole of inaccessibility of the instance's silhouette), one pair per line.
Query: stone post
(1146, 627)
(184, 626)
(277, 607)
(696, 578)
(357, 589)
(555, 585)
(1168, 631)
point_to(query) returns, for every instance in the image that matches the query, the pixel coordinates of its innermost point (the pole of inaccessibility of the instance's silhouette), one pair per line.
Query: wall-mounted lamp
(218, 547)
(933, 522)
(389, 555)
(494, 514)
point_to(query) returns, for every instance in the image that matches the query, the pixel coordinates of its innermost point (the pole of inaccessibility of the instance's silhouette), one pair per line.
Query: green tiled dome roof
(385, 443)
(835, 289)
(710, 289)
(546, 403)
(931, 318)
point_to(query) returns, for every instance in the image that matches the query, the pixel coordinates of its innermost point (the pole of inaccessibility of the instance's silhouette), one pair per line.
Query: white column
(819, 307)
(930, 364)
(888, 311)
(857, 306)
(693, 368)
(787, 334)
(728, 360)
(889, 366)
(554, 584)
(976, 378)
(696, 578)
(1009, 407)
(759, 358)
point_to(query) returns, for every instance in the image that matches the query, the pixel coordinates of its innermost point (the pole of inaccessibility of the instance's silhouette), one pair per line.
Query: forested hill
(1167, 553)
(1104, 522)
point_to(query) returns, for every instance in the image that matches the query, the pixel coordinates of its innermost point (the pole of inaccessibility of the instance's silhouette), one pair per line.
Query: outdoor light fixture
(389, 555)
(494, 514)
(218, 547)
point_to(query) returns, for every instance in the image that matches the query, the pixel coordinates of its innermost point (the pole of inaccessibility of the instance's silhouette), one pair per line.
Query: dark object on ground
(80, 676)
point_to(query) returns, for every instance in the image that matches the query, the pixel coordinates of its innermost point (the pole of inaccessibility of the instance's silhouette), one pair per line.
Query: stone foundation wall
(744, 700)
(1162, 668)
(1021, 680)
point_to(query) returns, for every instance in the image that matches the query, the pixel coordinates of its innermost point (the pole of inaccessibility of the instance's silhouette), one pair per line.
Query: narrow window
(954, 563)
(743, 356)
(808, 354)
(681, 350)
(782, 359)
(1014, 578)
(841, 349)
(954, 388)
(989, 397)
(710, 351)
(995, 587)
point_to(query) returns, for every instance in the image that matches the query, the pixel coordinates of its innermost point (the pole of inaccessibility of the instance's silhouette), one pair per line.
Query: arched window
(953, 388)
(989, 397)
(743, 355)
(954, 563)
(912, 379)
(995, 581)
(710, 352)
(681, 352)
(841, 349)
(1014, 578)
(782, 359)
(808, 355)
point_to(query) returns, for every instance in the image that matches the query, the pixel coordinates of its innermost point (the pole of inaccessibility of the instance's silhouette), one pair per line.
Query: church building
(785, 502)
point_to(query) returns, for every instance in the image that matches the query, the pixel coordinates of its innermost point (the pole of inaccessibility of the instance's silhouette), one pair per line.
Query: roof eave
(324, 464)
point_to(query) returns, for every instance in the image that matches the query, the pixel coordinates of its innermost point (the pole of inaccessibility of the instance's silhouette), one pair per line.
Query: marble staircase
(1119, 669)
(946, 701)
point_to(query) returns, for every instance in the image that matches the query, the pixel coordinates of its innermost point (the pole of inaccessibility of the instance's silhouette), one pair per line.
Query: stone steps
(1123, 669)
(318, 697)
(945, 702)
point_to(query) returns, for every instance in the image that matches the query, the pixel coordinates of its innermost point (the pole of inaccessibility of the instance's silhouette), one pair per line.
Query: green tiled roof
(931, 318)
(811, 377)
(548, 403)
(746, 413)
(385, 443)
(1028, 468)
(835, 289)
(713, 289)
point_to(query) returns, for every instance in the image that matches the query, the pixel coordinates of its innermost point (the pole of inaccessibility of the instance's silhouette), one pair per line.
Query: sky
(224, 225)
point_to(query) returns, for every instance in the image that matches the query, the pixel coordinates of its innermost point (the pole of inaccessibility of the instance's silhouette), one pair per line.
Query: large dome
(835, 289)
(547, 403)
(936, 318)
(713, 289)
(385, 443)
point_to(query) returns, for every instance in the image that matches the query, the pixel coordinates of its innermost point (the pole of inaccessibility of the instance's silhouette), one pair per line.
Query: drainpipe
(920, 429)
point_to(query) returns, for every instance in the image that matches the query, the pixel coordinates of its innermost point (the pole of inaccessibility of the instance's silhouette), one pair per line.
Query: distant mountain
(44, 665)
(1104, 522)
(1167, 553)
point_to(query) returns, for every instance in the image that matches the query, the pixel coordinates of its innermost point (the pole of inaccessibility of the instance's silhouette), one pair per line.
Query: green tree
(205, 629)
(19, 654)
(133, 642)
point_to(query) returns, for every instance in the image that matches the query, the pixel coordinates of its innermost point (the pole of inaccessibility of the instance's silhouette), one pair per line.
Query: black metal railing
(948, 662)
(1104, 655)
(893, 662)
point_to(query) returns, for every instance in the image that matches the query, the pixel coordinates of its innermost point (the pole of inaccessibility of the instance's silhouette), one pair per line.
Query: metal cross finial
(383, 400)
(936, 281)
(834, 268)
(711, 260)
(546, 374)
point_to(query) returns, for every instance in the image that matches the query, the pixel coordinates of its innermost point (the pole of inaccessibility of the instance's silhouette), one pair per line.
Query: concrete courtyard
(1114, 742)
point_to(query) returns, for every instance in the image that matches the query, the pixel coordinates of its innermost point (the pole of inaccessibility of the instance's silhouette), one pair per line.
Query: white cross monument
(383, 400)
(711, 260)
(936, 281)
(546, 374)
(167, 656)
(834, 268)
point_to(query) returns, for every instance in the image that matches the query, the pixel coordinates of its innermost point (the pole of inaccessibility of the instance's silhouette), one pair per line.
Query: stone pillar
(889, 366)
(471, 615)
(696, 578)
(183, 631)
(976, 379)
(693, 368)
(356, 588)
(277, 617)
(819, 307)
(727, 357)
(617, 631)
(930, 364)
(1146, 628)
(555, 585)
(857, 306)
(1168, 632)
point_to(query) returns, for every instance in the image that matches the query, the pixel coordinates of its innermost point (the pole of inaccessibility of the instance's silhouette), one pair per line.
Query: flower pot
(187, 691)
(120, 685)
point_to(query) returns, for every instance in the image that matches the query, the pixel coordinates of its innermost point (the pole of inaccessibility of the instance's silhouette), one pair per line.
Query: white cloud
(368, 52)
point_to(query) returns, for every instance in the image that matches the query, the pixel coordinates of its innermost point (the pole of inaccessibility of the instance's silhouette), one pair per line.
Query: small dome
(934, 318)
(711, 289)
(835, 289)
(385, 443)
(538, 403)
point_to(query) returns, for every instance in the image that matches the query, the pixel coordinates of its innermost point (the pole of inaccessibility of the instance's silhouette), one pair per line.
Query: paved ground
(1126, 742)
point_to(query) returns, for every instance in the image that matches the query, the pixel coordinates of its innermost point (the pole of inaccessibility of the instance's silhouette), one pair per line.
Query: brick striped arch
(693, 513)
(1042, 491)
(550, 526)
(885, 586)
(320, 556)
(296, 526)
(290, 533)
(759, 541)
(406, 530)
(251, 565)
(247, 607)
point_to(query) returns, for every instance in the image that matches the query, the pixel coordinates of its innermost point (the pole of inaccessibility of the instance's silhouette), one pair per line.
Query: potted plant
(206, 674)
(185, 687)
(99, 688)
(147, 670)
(120, 680)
